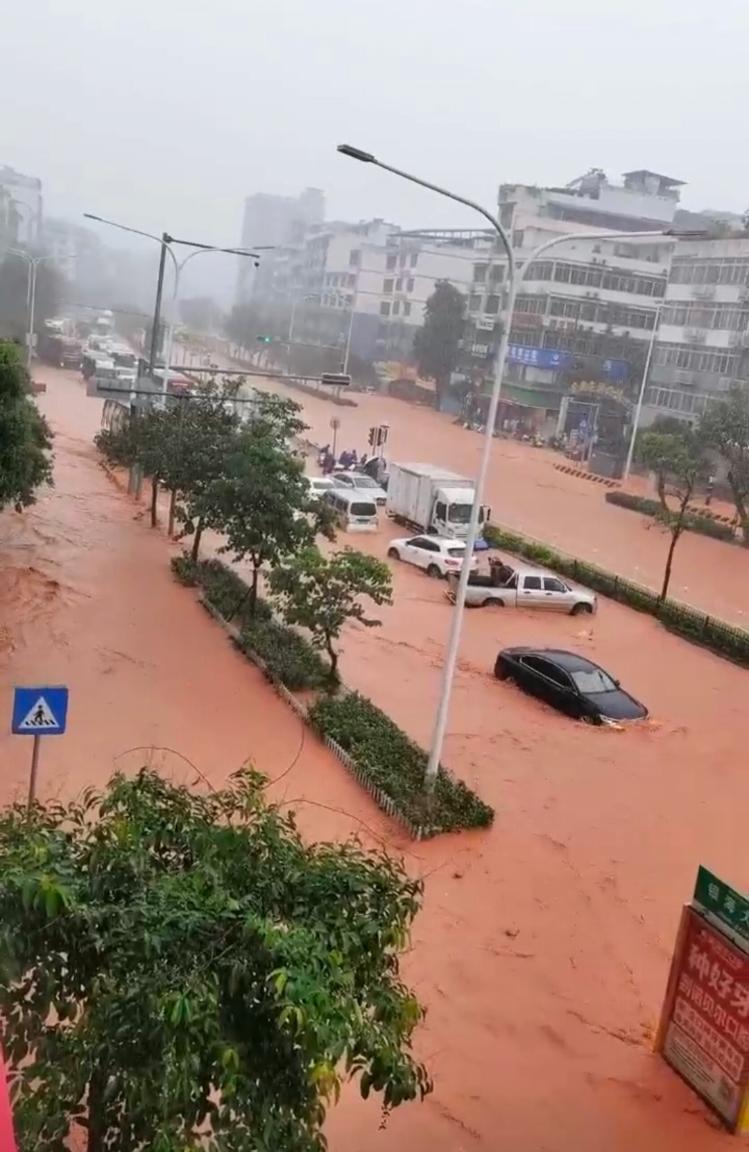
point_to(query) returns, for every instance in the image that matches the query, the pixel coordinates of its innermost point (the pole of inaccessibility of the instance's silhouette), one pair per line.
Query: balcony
(695, 335)
(704, 291)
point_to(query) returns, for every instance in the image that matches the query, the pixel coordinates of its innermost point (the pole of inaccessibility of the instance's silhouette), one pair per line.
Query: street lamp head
(356, 153)
(90, 216)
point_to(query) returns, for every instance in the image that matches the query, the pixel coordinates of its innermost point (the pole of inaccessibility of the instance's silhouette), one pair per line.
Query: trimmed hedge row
(394, 764)
(719, 637)
(693, 522)
(288, 656)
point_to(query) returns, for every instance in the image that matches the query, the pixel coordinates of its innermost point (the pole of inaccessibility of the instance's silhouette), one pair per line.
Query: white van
(354, 512)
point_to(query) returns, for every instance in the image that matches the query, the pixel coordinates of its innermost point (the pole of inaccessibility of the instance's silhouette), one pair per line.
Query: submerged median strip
(721, 638)
(706, 524)
(370, 745)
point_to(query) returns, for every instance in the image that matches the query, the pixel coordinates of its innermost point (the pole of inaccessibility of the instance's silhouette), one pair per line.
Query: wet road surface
(543, 946)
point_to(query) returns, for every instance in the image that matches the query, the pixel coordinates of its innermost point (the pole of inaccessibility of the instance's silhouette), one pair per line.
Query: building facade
(20, 208)
(702, 342)
(275, 220)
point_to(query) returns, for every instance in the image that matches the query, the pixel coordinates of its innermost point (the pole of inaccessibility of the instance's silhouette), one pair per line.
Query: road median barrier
(695, 520)
(381, 757)
(720, 637)
(573, 470)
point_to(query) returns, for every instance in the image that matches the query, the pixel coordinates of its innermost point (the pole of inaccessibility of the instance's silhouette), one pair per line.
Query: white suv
(438, 555)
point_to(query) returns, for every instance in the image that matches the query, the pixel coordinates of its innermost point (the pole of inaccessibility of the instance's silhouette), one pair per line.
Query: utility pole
(156, 323)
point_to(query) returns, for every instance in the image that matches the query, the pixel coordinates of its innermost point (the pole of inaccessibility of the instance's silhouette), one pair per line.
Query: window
(474, 303)
(392, 260)
(399, 284)
(549, 670)
(456, 550)
(384, 308)
(410, 284)
(396, 307)
(518, 237)
(354, 258)
(593, 681)
(414, 259)
(551, 584)
(492, 305)
(425, 544)
(497, 273)
(532, 583)
(402, 260)
(479, 273)
(406, 308)
(387, 287)
(440, 510)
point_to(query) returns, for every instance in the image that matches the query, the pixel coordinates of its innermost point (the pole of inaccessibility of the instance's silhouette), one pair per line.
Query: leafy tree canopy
(437, 343)
(25, 437)
(181, 972)
(725, 427)
(321, 593)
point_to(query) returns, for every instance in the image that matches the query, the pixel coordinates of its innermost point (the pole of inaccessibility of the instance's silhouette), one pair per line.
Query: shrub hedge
(288, 656)
(385, 755)
(719, 637)
(692, 521)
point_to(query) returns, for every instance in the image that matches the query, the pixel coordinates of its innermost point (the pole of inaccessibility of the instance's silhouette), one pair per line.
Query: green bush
(693, 522)
(392, 762)
(289, 657)
(721, 638)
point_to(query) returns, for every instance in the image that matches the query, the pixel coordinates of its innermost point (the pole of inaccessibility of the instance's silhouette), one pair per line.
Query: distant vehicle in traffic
(505, 586)
(352, 512)
(358, 482)
(319, 485)
(438, 556)
(570, 683)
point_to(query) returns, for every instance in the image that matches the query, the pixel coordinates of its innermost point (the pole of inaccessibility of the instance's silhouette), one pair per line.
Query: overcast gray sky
(167, 114)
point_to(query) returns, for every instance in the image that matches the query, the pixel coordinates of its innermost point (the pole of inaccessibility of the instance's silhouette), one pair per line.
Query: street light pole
(155, 323)
(513, 281)
(641, 394)
(33, 263)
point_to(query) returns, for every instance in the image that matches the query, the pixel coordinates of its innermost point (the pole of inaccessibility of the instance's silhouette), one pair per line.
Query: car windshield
(593, 681)
(363, 508)
(365, 482)
(459, 513)
(456, 551)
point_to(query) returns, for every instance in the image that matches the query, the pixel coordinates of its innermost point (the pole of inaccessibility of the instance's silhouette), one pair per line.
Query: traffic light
(382, 434)
(372, 437)
(264, 339)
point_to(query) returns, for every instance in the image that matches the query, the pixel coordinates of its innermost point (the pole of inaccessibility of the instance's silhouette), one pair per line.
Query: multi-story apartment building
(702, 341)
(587, 310)
(20, 207)
(277, 220)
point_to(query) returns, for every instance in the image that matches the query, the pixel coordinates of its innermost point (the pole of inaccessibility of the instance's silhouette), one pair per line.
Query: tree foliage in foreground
(437, 343)
(180, 972)
(725, 427)
(25, 437)
(679, 461)
(321, 593)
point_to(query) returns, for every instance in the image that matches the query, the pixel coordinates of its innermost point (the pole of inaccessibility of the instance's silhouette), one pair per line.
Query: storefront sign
(538, 357)
(704, 1030)
(730, 908)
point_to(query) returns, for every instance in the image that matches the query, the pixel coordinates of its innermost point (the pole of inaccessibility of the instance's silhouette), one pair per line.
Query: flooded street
(543, 947)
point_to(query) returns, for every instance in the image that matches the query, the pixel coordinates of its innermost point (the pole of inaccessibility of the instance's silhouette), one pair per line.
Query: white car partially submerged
(439, 556)
(363, 485)
(319, 485)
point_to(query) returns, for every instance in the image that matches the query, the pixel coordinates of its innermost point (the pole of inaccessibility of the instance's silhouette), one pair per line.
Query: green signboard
(725, 904)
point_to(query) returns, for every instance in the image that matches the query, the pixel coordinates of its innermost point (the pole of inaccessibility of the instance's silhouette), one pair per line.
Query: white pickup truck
(519, 587)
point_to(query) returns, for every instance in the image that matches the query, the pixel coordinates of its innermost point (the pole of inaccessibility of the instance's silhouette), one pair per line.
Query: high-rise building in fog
(20, 207)
(277, 220)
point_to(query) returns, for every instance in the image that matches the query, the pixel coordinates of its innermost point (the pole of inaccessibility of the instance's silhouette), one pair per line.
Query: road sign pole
(34, 770)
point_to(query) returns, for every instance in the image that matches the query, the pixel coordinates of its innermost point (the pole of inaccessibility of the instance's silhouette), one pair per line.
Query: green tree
(183, 973)
(25, 437)
(679, 462)
(725, 427)
(437, 343)
(260, 503)
(321, 593)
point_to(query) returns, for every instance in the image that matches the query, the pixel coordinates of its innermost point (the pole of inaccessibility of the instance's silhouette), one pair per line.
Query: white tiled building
(702, 343)
(20, 207)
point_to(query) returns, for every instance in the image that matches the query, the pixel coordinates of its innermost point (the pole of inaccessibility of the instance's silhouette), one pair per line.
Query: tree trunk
(253, 590)
(196, 540)
(738, 499)
(172, 506)
(154, 498)
(333, 655)
(660, 483)
(677, 527)
(97, 1127)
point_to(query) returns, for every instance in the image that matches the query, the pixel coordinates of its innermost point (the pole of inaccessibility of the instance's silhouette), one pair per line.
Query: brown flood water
(543, 946)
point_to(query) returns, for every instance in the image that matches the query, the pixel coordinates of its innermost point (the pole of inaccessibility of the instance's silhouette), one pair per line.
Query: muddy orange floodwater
(543, 946)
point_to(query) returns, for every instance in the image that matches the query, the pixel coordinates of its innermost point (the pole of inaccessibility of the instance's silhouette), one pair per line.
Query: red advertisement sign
(706, 1029)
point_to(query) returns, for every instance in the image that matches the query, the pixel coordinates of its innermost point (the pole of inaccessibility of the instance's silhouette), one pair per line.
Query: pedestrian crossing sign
(40, 711)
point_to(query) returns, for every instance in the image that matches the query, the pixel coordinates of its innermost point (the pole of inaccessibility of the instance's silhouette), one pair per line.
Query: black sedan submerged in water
(568, 682)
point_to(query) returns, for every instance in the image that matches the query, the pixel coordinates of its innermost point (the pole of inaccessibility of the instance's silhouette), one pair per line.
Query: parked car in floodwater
(506, 586)
(437, 555)
(571, 683)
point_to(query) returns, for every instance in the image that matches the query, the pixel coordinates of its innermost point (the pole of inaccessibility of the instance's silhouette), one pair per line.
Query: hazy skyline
(167, 115)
